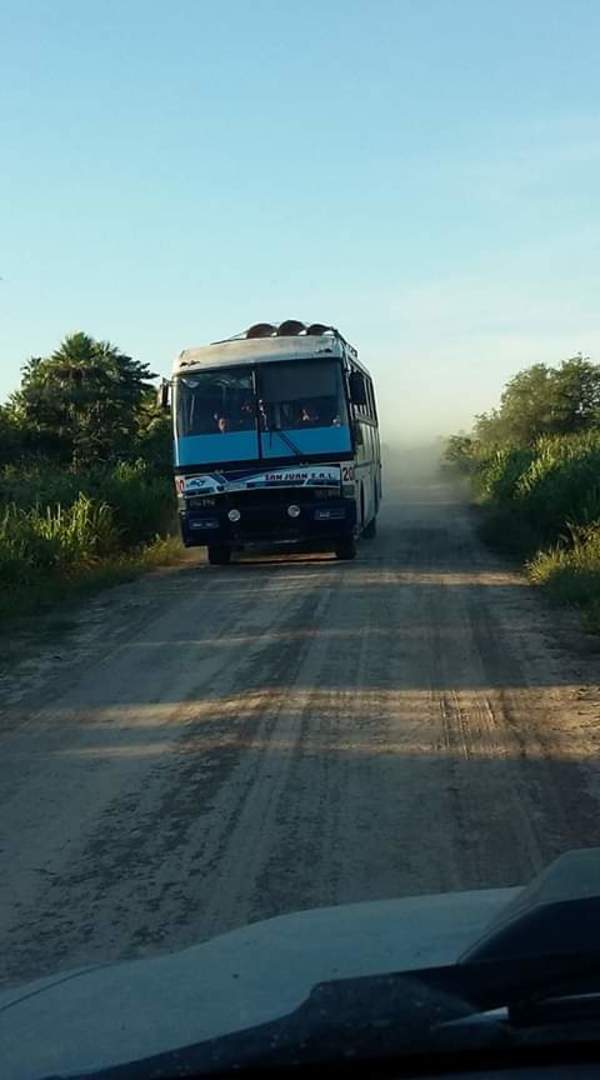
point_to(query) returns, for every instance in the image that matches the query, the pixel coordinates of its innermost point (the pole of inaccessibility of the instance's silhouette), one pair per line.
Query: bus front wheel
(346, 549)
(219, 554)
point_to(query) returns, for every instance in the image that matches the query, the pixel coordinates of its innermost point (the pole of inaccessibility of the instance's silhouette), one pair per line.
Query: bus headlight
(234, 515)
(294, 511)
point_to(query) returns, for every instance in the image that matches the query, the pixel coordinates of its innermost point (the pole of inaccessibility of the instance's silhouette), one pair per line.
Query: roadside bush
(536, 492)
(36, 542)
(86, 487)
(56, 524)
(571, 571)
(542, 503)
(142, 501)
(39, 483)
(498, 472)
(562, 482)
(533, 465)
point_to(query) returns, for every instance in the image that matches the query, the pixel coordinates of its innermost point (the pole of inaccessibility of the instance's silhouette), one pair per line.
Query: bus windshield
(294, 395)
(288, 396)
(215, 402)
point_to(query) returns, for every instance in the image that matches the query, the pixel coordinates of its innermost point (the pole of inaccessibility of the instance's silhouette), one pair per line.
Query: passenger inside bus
(307, 416)
(247, 416)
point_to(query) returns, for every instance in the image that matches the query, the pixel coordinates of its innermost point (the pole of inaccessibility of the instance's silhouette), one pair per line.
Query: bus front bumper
(319, 524)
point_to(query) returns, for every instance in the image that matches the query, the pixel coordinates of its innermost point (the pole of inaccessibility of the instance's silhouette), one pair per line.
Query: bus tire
(219, 554)
(370, 530)
(346, 549)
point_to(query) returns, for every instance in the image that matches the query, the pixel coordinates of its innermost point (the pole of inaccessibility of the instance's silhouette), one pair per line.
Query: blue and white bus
(276, 442)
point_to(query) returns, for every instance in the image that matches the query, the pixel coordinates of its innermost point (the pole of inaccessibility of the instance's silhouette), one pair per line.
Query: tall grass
(57, 525)
(497, 473)
(141, 498)
(39, 541)
(580, 561)
(543, 503)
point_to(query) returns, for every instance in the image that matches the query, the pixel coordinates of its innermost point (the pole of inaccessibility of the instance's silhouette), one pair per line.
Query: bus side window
(358, 392)
(371, 399)
(374, 403)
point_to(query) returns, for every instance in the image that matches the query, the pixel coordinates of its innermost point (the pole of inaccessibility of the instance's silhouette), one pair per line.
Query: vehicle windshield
(298, 395)
(213, 402)
(289, 396)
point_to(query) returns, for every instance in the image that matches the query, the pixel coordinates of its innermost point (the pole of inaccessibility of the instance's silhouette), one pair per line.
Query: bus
(276, 442)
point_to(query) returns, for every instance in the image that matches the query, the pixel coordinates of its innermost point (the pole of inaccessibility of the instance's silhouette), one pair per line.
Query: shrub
(55, 523)
(37, 542)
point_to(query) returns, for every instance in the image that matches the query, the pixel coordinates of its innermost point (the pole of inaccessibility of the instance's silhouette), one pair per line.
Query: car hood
(93, 1018)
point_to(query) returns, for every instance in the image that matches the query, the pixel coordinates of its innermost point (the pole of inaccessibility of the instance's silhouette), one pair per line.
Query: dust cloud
(411, 464)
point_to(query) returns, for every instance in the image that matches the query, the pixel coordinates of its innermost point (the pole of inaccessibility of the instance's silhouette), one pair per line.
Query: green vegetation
(86, 494)
(534, 466)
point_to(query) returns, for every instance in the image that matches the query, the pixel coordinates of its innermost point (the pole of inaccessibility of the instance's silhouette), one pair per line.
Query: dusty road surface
(210, 746)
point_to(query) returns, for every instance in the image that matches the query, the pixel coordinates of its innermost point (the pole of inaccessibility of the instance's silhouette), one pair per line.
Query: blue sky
(424, 174)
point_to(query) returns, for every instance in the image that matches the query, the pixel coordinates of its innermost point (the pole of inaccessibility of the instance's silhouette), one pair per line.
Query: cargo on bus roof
(269, 342)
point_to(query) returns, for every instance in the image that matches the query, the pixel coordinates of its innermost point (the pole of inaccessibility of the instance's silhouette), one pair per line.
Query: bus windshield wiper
(286, 439)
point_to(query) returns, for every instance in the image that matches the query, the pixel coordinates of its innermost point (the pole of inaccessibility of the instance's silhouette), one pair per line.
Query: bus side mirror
(358, 390)
(163, 394)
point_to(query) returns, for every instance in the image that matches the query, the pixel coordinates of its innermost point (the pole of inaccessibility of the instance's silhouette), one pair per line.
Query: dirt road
(210, 746)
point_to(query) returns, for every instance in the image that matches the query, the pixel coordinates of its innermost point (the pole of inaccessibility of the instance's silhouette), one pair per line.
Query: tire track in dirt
(222, 745)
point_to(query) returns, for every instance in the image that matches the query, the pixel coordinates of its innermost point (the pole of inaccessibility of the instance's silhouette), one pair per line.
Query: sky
(422, 174)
